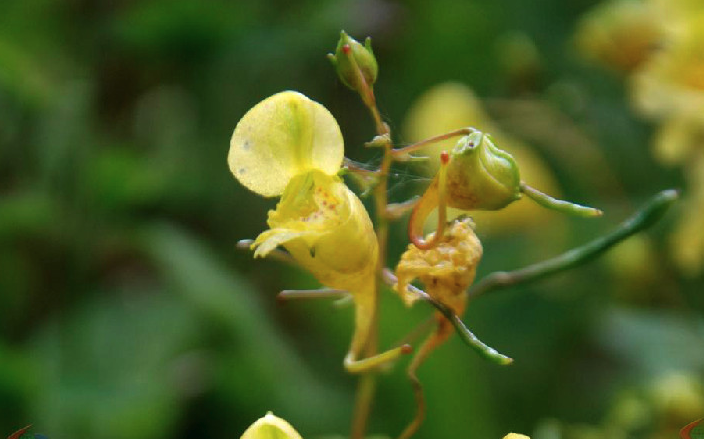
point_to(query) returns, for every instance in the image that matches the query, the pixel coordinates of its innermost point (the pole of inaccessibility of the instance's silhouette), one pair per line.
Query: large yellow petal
(284, 135)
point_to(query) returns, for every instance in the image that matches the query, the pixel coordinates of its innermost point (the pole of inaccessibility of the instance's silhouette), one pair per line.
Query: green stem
(362, 406)
(648, 215)
(398, 153)
(549, 202)
(471, 340)
(367, 384)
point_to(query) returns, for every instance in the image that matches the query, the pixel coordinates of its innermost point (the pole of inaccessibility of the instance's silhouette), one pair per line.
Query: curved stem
(465, 334)
(323, 293)
(400, 152)
(370, 364)
(438, 337)
(549, 202)
(366, 92)
(641, 220)
(434, 196)
(367, 383)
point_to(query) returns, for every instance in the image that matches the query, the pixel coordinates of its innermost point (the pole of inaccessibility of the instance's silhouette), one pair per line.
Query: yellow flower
(620, 34)
(687, 242)
(670, 87)
(516, 436)
(291, 146)
(270, 427)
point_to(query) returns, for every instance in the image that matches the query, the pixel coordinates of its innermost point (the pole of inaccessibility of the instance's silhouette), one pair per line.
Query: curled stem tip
(549, 202)
(355, 366)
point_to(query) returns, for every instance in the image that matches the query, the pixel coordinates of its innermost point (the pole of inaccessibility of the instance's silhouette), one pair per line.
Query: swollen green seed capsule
(481, 176)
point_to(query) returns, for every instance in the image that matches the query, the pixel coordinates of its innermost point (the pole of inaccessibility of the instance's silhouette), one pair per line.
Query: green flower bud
(355, 63)
(481, 176)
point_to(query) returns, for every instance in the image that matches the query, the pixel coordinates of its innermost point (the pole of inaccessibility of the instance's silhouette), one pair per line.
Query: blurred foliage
(126, 311)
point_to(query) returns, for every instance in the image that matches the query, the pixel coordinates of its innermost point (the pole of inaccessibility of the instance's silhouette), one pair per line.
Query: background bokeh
(127, 312)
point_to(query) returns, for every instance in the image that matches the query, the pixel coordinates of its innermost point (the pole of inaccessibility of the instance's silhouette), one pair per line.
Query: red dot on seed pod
(444, 157)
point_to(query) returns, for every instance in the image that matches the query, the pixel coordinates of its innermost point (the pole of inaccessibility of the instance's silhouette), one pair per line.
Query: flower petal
(283, 136)
(326, 229)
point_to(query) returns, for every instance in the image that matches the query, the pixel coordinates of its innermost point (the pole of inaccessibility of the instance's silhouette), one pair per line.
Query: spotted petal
(326, 229)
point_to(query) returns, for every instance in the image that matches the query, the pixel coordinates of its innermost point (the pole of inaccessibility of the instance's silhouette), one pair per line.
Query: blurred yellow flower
(620, 34)
(449, 106)
(678, 397)
(441, 109)
(687, 242)
(291, 146)
(670, 87)
(270, 427)
(516, 436)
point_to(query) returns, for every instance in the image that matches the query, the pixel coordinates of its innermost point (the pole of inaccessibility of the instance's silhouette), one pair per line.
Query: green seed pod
(481, 176)
(351, 58)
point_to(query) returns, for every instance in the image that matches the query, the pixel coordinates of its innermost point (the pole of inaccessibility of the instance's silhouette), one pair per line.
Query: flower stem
(641, 220)
(367, 383)
(400, 152)
(434, 197)
(465, 334)
(559, 205)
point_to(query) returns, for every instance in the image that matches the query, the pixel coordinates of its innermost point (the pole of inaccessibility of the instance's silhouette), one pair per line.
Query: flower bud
(481, 176)
(355, 63)
(271, 427)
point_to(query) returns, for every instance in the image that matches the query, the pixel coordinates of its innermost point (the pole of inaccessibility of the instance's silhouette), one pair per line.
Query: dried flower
(446, 270)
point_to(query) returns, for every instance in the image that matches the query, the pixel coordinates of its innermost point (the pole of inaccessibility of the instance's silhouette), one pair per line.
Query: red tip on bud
(406, 349)
(444, 158)
(346, 49)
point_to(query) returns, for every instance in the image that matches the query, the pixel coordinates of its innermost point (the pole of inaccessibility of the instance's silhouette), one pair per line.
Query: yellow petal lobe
(284, 135)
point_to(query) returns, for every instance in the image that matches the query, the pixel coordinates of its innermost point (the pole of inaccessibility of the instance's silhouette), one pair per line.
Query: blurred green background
(127, 312)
